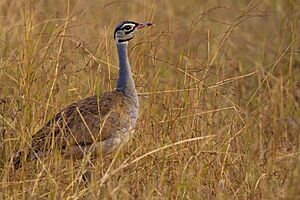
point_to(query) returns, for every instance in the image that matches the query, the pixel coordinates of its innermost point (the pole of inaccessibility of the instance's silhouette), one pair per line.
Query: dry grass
(218, 83)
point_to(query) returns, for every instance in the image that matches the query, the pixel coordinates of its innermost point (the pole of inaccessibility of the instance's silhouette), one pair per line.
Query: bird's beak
(143, 25)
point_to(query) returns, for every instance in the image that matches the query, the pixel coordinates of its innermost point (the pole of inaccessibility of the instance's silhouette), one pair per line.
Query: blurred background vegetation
(227, 69)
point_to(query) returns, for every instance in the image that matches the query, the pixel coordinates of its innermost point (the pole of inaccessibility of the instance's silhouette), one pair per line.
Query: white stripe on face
(128, 24)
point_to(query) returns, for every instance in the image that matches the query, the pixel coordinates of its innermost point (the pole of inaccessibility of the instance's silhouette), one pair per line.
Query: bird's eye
(127, 27)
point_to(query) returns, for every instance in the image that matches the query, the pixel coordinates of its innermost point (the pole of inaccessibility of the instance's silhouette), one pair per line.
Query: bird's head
(125, 30)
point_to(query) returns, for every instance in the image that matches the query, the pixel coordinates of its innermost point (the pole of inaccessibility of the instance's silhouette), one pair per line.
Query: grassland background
(227, 71)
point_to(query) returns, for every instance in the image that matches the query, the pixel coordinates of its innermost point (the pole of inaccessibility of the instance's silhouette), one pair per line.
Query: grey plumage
(95, 124)
(125, 81)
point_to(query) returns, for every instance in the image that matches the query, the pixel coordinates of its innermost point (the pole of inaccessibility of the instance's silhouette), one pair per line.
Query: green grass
(219, 90)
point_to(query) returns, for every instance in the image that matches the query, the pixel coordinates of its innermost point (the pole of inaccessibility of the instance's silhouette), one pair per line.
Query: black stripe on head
(127, 32)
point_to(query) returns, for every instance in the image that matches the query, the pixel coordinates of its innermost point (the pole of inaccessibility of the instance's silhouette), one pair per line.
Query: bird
(97, 124)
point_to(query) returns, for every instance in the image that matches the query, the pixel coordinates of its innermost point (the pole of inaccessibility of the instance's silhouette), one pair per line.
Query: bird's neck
(125, 82)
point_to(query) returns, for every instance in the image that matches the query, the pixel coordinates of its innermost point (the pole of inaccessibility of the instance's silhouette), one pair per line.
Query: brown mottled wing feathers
(85, 122)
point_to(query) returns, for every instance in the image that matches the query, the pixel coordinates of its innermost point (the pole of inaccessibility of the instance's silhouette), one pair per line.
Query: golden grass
(219, 91)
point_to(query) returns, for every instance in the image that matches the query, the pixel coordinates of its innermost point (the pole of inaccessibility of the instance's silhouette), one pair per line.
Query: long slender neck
(125, 82)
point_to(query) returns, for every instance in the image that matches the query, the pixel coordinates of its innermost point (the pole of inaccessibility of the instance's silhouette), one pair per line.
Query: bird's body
(88, 125)
(97, 124)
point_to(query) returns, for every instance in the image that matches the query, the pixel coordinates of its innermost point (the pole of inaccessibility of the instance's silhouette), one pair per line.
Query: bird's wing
(85, 122)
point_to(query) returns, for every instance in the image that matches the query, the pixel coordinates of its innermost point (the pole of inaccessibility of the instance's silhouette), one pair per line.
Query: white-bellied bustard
(97, 123)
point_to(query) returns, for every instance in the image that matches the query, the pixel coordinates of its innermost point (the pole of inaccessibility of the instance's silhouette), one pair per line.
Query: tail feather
(16, 160)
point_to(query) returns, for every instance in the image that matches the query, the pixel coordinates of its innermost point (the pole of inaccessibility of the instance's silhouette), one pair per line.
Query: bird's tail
(19, 157)
(17, 160)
